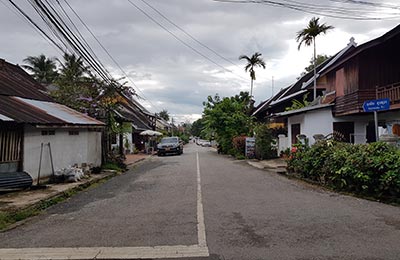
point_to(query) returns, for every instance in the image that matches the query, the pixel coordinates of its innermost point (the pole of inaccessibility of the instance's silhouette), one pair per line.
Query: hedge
(367, 169)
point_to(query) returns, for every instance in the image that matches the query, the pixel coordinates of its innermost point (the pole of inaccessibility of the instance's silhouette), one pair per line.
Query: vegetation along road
(202, 205)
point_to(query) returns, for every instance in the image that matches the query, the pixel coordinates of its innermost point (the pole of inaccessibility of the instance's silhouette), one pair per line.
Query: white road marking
(201, 227)
(83, 253)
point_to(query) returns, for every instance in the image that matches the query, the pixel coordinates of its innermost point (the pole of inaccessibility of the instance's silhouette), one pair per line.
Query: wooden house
(344, 82)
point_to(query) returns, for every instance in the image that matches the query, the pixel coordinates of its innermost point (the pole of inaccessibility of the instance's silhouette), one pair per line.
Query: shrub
(368, 169)
(265, 142)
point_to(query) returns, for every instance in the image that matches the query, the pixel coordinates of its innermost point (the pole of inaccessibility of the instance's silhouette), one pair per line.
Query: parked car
(206, 144)
(170, 145)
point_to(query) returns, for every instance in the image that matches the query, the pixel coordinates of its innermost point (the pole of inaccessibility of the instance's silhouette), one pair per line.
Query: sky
(177, 73)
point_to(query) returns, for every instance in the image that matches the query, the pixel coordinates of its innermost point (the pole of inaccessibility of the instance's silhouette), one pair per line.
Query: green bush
(368, 169)
(265, 142)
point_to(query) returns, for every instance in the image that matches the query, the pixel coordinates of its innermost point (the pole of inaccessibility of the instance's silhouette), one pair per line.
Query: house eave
(302, 110)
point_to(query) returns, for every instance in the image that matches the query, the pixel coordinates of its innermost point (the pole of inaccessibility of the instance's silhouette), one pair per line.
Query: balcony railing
(352, 103)
(391, 91)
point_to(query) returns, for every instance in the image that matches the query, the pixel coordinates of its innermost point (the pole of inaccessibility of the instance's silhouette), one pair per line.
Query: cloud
(172, 76)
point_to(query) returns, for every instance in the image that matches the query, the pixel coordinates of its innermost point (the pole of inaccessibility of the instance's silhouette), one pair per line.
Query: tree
(226, 118)
(72, 69)
(43, 69)
(75, 88)
(319, 60)
(197, 128)
(307, 36)
(164, 115)
(253, 61)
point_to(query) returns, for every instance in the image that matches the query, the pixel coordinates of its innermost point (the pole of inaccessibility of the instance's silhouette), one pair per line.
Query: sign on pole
(376, 105)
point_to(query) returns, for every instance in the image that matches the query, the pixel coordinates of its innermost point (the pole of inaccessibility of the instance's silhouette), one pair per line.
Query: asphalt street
(234, 211)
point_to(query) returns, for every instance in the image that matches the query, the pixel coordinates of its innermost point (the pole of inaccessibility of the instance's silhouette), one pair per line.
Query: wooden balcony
(392, 92)
(352, 103)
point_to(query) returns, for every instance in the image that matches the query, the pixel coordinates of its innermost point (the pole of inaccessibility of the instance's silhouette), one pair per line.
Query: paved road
(248, 214)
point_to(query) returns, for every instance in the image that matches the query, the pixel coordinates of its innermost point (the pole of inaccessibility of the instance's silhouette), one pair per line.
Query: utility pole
(272, 84)
(172, 121)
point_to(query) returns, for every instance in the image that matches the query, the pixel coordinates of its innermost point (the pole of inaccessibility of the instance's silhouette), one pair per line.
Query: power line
(181, 41)
(72, 40)
(340, 12)
(109, 54)
(37, 27)
(189, 35)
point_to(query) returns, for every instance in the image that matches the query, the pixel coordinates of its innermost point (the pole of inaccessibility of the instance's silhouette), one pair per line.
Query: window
(48, 132)
(73, 132)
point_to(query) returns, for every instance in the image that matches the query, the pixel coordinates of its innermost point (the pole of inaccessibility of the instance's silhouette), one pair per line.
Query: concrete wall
(67, 150)
(321, 122)
(311, 123)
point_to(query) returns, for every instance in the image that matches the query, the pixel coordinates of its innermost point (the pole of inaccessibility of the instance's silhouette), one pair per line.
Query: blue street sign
(376, 105)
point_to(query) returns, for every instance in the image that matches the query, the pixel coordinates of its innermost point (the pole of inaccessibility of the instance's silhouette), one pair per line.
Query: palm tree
(43, 69)
(72, 69)
(307, 36)
(252, 62)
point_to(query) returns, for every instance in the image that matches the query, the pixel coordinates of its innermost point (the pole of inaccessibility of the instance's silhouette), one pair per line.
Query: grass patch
(111, 166)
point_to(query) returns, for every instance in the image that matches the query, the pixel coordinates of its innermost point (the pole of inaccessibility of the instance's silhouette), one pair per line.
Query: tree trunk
(251, 88)
(315, 72)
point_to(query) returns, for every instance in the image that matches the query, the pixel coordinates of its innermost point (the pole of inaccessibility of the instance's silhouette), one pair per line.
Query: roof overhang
(303, 110)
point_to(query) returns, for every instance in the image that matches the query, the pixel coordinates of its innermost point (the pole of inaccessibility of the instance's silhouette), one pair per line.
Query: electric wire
(110, 56)
(181, 41)
(334, 11)
(79, 39)
(36, 26)
(188, 34)
(72, 40)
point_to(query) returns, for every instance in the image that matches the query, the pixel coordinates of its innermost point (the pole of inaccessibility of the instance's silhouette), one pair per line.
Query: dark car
(170, 145)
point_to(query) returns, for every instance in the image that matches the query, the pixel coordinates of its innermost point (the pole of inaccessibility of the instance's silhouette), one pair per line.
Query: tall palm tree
(43, 69)
(307, 36)
(253, 61)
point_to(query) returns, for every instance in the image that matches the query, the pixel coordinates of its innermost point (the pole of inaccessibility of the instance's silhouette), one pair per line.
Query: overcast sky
(170, 75)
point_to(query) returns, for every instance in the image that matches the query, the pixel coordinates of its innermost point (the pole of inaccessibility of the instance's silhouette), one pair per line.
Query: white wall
(311, 123)
(321, 122)
(67, 150)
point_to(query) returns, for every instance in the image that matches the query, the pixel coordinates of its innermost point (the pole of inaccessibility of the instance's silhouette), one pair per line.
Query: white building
(32, 124)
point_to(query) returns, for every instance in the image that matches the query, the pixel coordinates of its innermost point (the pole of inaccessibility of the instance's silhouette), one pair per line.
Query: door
(10, 147)
(295, 130)
(343, 131)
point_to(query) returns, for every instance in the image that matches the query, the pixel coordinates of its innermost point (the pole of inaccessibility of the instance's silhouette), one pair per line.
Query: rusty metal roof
(22, 110)
(23, 100)
(14, 81)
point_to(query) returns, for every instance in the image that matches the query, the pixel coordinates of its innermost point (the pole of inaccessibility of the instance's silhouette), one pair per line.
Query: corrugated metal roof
(5, 118)
(14, 81)
(24, 110)
(62, 112)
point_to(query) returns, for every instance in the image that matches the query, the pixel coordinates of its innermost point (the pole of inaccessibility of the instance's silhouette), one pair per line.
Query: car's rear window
(169, 140)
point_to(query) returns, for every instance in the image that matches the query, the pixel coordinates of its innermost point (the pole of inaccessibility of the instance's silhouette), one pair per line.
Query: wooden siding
(352, 103)
(10, 144)
(380, 65)
(344, 80)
